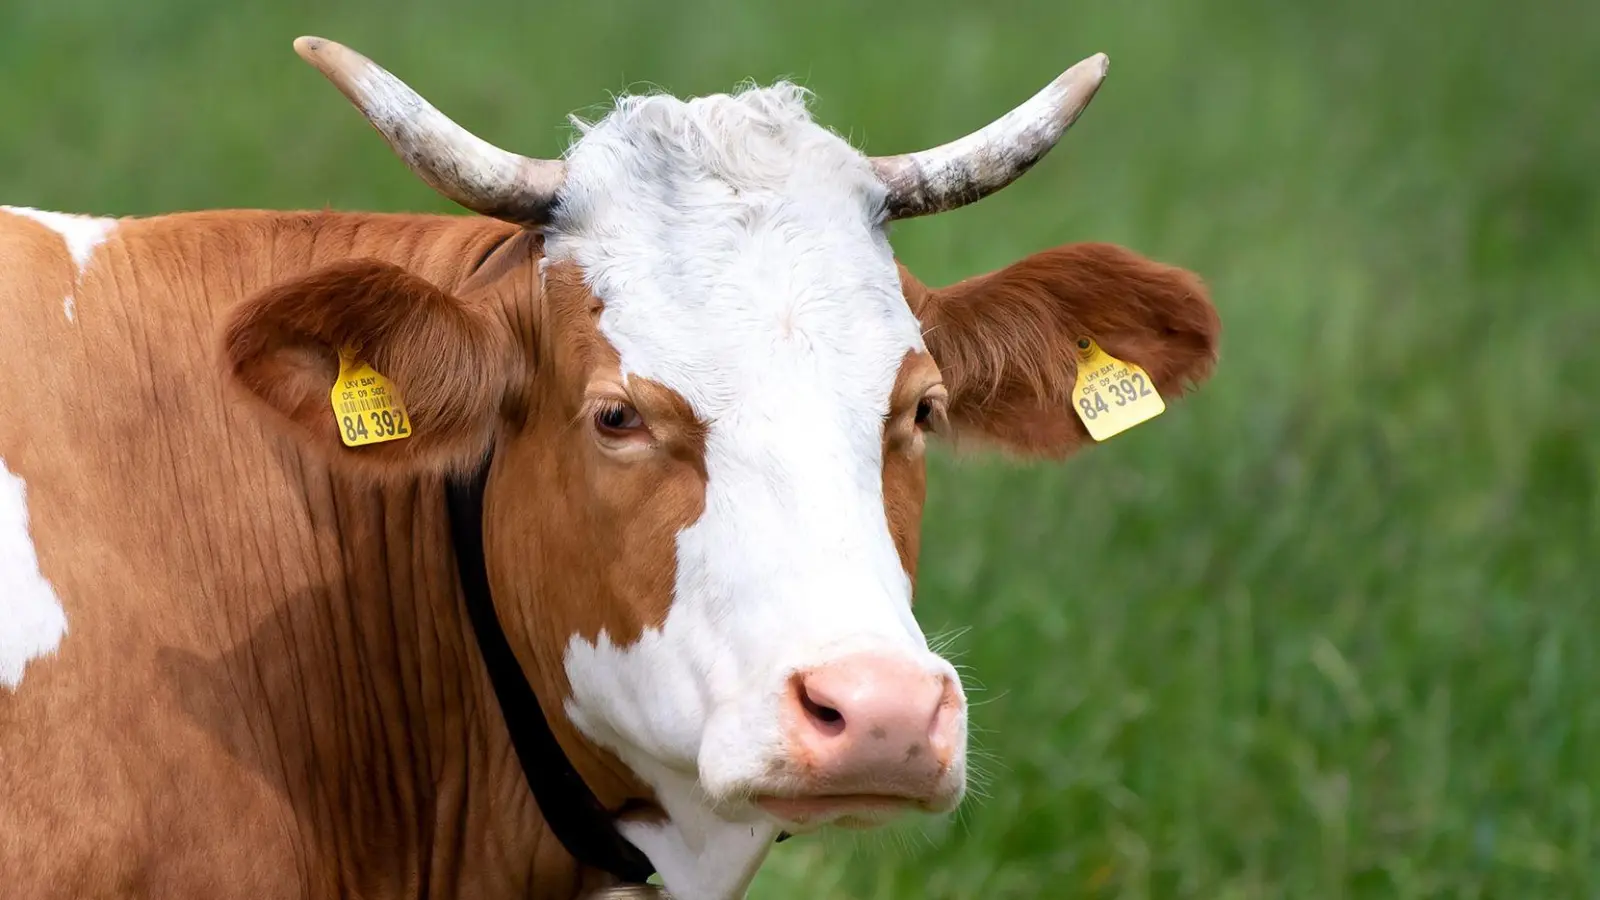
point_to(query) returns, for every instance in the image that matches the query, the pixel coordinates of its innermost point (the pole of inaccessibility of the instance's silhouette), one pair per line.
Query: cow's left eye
(924, 411)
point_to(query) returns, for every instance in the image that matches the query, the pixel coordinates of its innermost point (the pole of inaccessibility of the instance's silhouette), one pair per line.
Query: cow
(547, 547)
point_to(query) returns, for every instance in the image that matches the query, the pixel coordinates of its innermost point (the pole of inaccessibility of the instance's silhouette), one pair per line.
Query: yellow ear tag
(366, 406)
(1112, 396)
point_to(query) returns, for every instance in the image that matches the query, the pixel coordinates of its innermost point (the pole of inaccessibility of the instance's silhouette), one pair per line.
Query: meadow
(1327, 628)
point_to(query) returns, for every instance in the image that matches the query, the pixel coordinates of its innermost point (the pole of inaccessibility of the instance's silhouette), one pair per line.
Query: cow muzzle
(868, 736)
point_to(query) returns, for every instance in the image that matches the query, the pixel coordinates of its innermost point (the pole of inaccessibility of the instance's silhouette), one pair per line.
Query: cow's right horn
(455, 162)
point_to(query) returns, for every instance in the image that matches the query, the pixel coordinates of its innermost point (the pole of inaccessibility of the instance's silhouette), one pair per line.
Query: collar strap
(572, 811)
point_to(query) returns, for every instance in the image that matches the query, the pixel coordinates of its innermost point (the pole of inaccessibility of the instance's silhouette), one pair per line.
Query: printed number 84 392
(384, 424)
(1122, 393)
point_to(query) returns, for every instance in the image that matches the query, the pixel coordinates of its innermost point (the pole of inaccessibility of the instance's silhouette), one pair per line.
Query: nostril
(827, 719)
(822, 713)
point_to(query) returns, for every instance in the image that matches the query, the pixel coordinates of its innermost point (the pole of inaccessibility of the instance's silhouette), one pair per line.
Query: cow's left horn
(973, 167)
(455, 162)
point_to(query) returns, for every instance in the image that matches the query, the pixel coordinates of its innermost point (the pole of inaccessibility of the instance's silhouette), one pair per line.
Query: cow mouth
(847, 810)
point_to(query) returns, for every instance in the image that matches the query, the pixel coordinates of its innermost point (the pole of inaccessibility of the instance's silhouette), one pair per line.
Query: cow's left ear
(1006, 342)
(450, 361)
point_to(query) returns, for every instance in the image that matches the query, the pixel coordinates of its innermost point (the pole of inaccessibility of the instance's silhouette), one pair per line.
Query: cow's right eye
(617, 418)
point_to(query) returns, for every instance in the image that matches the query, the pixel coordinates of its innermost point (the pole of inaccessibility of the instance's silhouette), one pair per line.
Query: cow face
(754, 381)
(708, 386)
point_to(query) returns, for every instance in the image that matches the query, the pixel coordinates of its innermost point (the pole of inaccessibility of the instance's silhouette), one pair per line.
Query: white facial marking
(82, 234)
(32, 622)
(736, 247)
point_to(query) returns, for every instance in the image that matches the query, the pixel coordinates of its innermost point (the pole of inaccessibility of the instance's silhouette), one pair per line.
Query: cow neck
(575, 815)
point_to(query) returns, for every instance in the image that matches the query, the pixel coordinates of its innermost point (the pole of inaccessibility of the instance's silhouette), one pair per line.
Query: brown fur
(1006, 341)
(904, 472)
(604, 530)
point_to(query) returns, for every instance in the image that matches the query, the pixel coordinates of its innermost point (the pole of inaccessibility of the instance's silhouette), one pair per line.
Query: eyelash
(616, 416)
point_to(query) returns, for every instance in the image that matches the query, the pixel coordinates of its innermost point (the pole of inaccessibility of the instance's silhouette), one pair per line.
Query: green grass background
(1328, 628)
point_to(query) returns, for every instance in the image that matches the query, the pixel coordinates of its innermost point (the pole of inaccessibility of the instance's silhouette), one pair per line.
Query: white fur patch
(738, 250)
(697, 853)
(32, 622)
(82, 234)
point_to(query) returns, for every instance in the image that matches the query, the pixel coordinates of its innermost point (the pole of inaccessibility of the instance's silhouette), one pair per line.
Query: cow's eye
(931, 410)
(617, 419)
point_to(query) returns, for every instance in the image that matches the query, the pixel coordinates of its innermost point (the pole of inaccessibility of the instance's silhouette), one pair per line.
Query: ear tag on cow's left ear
(366, 406)
(1111, 395)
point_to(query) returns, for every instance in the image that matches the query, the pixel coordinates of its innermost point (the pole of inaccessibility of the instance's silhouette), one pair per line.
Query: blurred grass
(1326, 629)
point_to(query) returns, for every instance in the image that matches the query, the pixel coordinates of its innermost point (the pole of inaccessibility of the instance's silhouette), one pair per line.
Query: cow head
(708, 386)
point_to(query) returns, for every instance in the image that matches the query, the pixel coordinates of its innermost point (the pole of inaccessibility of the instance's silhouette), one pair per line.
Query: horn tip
(1095, 66)
(314, 49)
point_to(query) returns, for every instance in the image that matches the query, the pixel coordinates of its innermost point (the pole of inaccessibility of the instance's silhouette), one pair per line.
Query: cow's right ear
(451, 362)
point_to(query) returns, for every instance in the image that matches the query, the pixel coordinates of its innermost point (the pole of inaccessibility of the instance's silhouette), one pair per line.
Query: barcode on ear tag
(1111, 395)
(366, 406)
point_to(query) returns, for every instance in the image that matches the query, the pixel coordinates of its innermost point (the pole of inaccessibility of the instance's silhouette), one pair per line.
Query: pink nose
(870, 724)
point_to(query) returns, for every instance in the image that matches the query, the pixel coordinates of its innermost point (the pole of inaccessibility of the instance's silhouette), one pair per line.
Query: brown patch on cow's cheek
(904, 469)
(904, 489)
(579, 543)
(632, 509)
(681, 434)
(580, 524)
(650, 503)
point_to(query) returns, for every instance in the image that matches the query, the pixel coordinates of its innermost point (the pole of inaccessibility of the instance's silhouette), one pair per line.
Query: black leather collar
(574, 814)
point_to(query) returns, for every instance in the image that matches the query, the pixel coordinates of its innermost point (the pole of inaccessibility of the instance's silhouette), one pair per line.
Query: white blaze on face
(82, 234)
(31, 620)
(735, 246)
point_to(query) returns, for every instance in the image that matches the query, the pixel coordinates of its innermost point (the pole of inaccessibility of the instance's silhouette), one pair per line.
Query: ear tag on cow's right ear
(366, 406)
(1111, 395)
